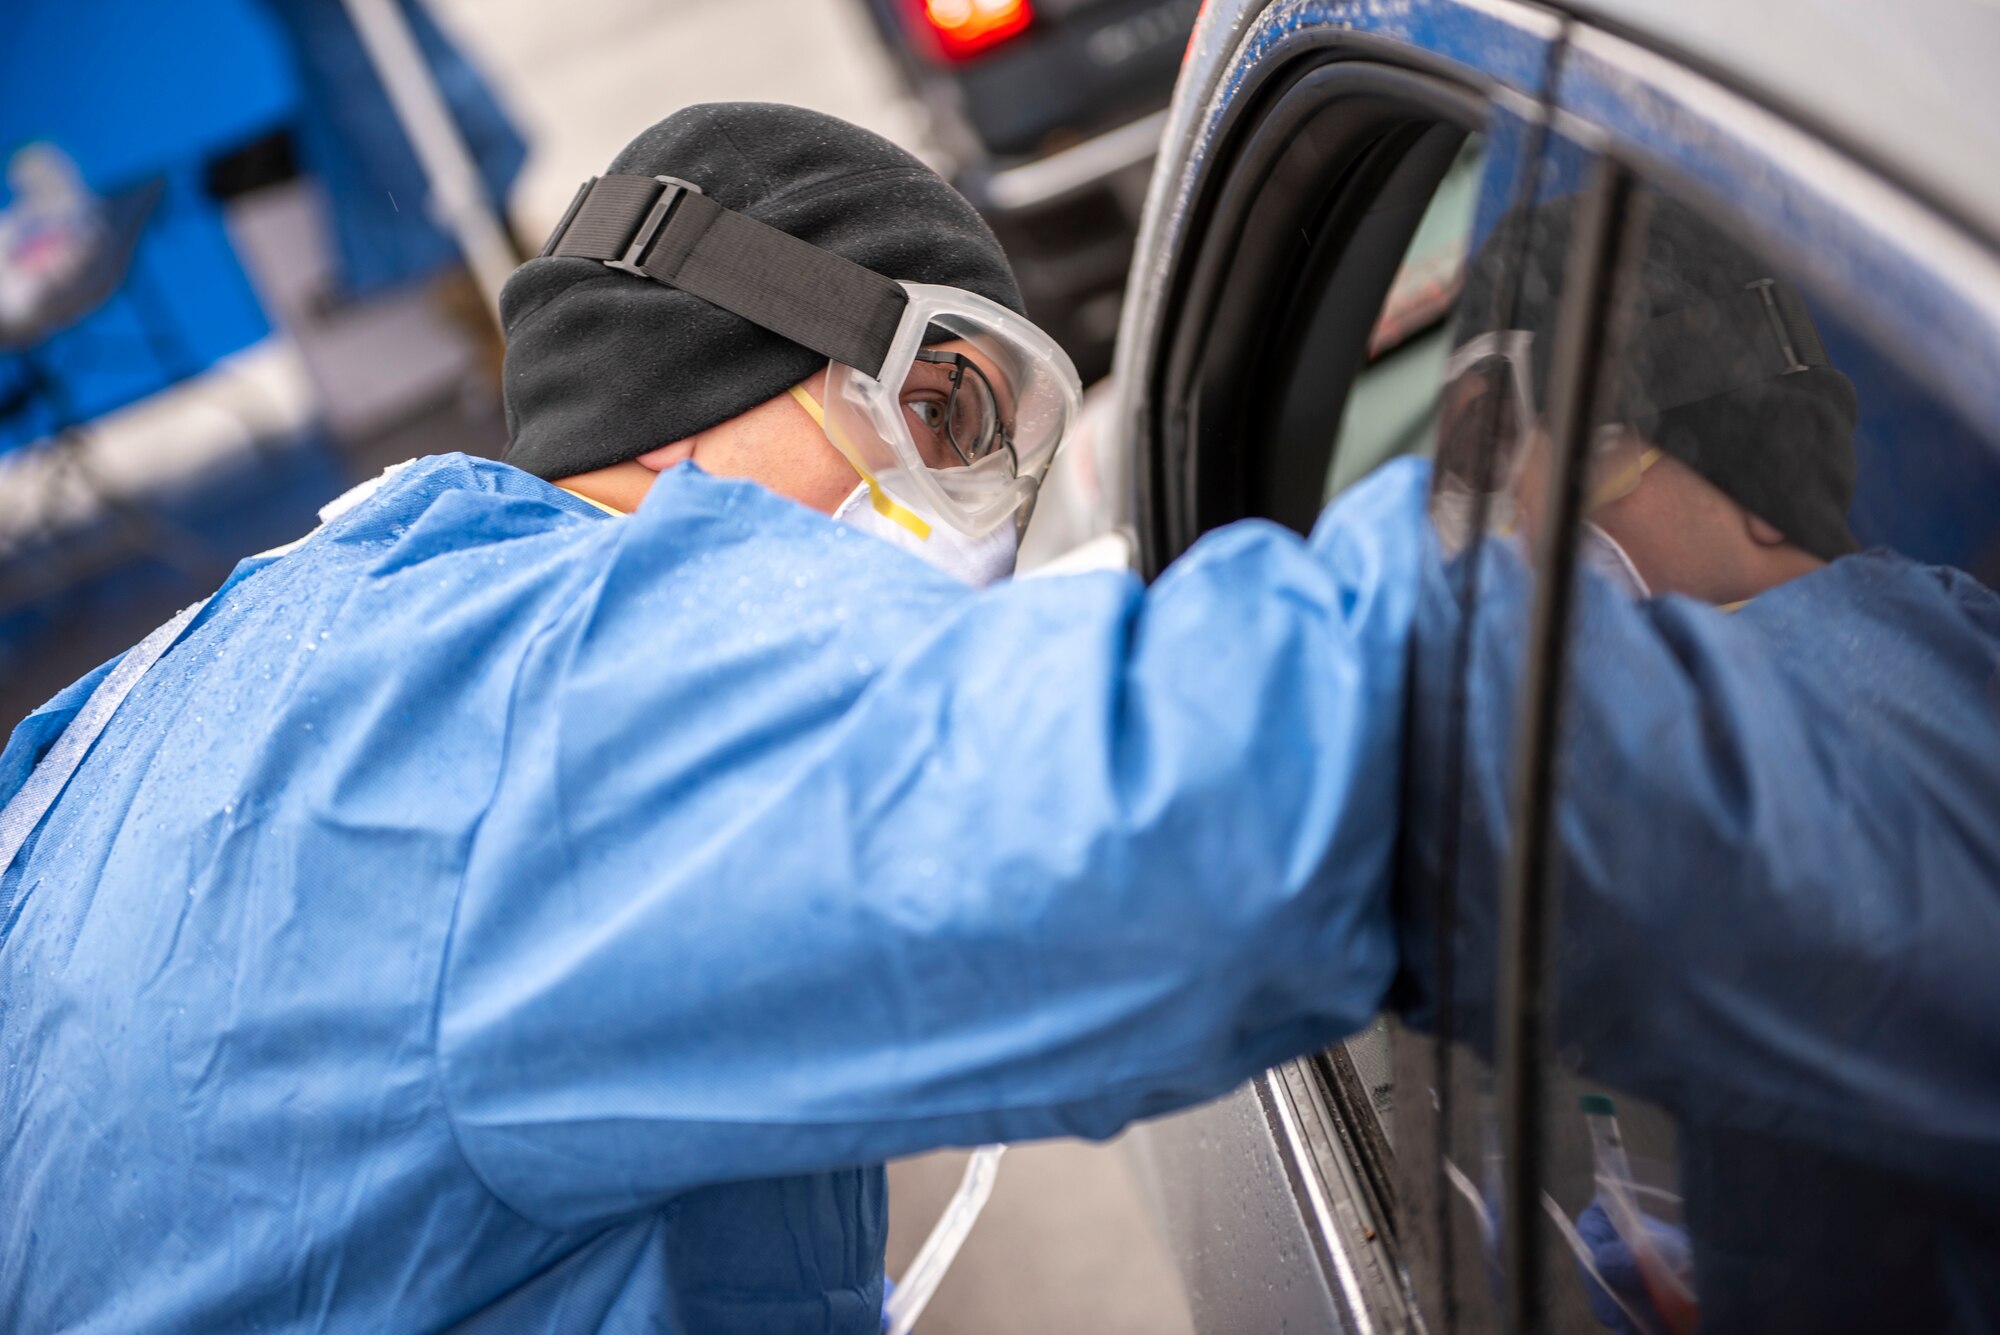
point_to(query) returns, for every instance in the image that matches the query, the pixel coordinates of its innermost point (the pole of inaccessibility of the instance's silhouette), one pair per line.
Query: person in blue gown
(502, 912)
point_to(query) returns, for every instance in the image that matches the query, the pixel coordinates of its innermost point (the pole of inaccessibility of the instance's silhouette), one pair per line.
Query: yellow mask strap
(884, 505)
(1624, 483)
(610, 510)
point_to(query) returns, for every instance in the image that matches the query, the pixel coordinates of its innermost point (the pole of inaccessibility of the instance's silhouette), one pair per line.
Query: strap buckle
(673, 190)
(1765, 288)
(635, 224)
(598, 224)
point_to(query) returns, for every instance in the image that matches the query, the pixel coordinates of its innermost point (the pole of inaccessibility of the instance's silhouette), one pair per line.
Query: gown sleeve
(779, 884)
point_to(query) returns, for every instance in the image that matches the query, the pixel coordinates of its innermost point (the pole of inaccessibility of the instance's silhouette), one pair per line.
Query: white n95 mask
(977, 561)
(1608, 556)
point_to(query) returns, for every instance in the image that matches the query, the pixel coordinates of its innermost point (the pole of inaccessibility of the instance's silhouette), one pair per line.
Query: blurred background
(248, 256)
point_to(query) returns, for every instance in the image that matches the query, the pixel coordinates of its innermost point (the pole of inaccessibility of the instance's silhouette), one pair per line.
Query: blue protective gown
(494, 916)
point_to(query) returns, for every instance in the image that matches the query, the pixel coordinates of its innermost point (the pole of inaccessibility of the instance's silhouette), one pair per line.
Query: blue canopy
(350, 138)
(136, 92)
(139, 92)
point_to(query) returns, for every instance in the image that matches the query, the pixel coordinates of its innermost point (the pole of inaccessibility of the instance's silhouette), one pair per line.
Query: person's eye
(930, 413)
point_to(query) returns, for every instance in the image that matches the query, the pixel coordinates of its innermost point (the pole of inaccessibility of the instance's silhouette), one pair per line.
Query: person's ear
(1762, 532)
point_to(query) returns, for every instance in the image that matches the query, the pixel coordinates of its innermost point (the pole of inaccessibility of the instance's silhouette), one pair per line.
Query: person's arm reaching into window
(1027, 863)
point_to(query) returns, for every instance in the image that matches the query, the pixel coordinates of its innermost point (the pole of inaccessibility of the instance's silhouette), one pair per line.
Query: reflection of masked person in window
(1779, 830)
(1726, 465)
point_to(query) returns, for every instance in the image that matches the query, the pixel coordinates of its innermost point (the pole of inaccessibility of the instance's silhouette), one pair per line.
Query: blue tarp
(128, 86)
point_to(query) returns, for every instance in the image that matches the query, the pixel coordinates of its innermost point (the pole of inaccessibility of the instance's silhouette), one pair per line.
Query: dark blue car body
(1856, 148)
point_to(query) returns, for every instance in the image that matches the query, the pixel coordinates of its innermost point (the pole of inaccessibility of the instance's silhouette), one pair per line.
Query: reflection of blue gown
(494, 913)
(1780, 911)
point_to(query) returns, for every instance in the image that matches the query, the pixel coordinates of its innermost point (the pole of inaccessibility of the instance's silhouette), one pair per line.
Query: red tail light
(1200, 13)
(967, 27)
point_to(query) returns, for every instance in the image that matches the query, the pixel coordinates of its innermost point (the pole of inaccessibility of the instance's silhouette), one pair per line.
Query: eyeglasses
(1488, 408)
(1488, 405)
(967, 416)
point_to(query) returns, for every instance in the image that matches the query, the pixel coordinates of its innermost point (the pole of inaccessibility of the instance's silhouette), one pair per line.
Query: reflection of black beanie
(1704, 312)
(603, 366)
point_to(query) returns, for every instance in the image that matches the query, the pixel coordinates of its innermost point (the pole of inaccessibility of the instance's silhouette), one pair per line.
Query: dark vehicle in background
(1049, 111)
(1329, 173)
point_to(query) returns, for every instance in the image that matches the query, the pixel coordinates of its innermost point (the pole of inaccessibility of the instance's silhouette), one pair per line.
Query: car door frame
(1298, 1124)
(1245, 54)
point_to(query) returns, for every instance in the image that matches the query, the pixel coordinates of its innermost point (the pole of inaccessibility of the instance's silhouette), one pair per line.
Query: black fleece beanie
(603, 366)
(1781, 448)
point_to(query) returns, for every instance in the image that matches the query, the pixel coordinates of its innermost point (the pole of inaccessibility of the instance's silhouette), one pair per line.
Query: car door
(1757, 1076)
(1725, 805)
(1300, 275)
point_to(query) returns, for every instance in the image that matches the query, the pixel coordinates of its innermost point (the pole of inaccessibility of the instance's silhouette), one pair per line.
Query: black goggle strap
(666, 229)
(1760, 332)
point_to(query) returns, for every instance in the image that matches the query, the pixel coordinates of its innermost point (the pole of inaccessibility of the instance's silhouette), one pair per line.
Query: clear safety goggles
(964, 419)
(1489, 401)
(949, 406)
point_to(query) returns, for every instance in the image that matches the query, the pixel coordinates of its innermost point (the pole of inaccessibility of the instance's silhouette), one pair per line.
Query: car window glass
(1492, 500)
(1319, 321)
(1352, 383)
(1779, 811)
(1776, 781)
(1355, 348)
(1391, 407)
